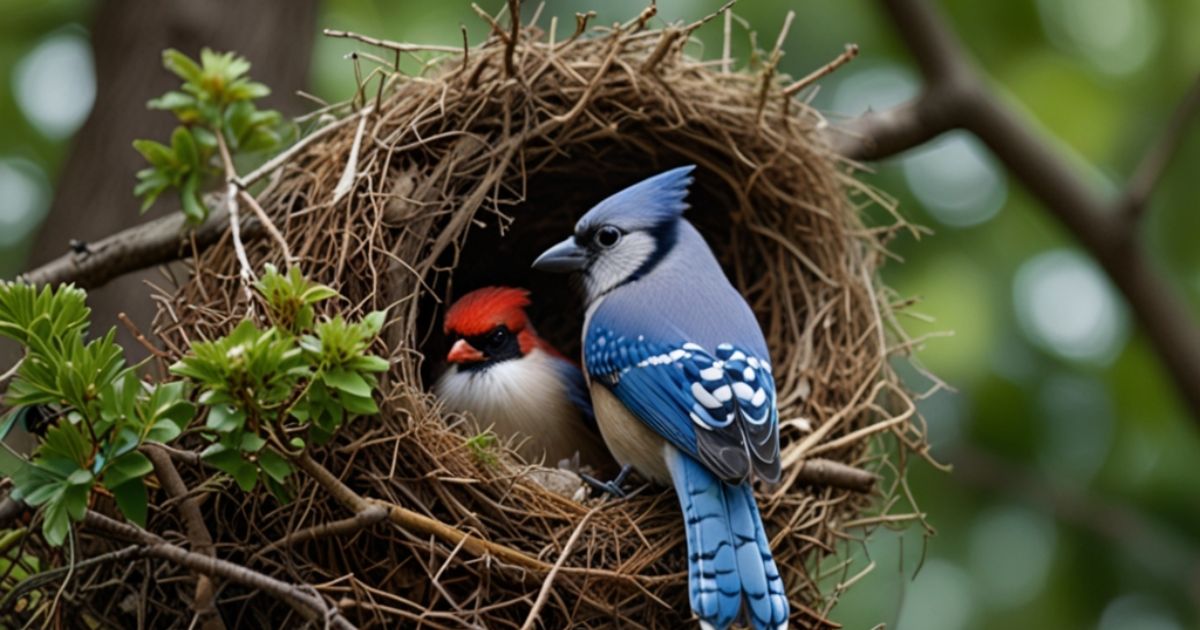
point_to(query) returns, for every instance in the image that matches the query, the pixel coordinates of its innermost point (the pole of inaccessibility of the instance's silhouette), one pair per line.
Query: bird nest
(434, 183)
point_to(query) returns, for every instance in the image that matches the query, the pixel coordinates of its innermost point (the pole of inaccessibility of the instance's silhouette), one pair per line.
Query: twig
(138, 336)
(497, 30)
(310, 606)
(390, 45)
(826, 472)
(261, 214)
(638, 23)
(231, 207)
(278, 161)
(466, 49)
(581, 22)
(197, 532)
(690, 28)
(370, 516)
(38, 579)
(510, 46)
(413, 522)
(665, 41)
(957, 97)
(847, 56)
(727, 45)
(346, 181)
(1150, 170)
(544, 593)
(769, 68)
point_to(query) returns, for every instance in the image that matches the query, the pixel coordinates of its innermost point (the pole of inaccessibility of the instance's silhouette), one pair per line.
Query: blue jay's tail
(729, 560)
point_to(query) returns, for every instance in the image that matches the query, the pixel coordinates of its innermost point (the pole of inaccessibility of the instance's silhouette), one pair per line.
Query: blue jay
(681, 385)
(507, 377)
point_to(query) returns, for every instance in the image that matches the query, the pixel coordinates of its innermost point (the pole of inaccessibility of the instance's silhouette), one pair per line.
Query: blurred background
(1075, 500)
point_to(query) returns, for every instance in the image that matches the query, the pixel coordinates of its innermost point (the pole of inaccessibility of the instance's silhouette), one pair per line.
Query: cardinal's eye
(497, 337)
(607, 236)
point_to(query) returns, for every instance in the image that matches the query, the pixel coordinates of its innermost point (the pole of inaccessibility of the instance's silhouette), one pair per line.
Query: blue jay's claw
(612, 486)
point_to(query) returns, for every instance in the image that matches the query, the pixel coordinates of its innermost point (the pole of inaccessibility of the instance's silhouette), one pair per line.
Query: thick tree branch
(956, 96)
(154, 243)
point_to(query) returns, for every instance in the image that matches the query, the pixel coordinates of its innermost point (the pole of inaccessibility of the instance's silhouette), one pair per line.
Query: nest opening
(499, 252)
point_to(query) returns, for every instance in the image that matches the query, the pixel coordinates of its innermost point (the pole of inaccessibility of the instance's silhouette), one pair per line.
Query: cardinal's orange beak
(463, 352)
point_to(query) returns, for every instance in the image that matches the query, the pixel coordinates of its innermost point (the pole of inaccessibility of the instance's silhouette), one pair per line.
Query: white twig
(279, 160)
(346, 182)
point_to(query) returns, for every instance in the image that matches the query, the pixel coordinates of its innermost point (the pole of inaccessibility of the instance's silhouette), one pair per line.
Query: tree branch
(155, 243)
(412, 521)
(956, 97)
(311, 606)
(197, 532)
(1154, 163)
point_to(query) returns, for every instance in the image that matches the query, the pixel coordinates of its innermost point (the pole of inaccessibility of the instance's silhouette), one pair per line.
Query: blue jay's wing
(577, 391)
(718, 407)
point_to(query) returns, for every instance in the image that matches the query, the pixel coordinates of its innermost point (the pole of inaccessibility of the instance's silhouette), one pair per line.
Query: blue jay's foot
(612, 486)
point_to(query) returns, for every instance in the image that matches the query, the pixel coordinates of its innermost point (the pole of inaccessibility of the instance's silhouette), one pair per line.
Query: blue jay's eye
(607, 236)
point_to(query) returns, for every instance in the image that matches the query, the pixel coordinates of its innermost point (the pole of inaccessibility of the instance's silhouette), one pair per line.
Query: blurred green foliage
(1075, 500)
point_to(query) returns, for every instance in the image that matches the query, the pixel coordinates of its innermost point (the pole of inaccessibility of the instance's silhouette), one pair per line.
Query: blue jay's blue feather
(645, 204)
(577, 391)
(728, 559)
(726, 399)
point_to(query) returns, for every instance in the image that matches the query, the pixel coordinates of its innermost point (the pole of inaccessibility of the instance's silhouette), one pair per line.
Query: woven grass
(456, 177)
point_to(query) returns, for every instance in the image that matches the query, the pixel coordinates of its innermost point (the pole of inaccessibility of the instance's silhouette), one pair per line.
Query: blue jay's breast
(629, 439)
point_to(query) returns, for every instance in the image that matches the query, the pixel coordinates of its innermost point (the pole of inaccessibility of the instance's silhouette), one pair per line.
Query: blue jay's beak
(562, 258)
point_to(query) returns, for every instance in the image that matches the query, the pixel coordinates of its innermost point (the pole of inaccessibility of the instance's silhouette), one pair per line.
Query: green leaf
(172, 101)
(131, 499)
(349, 382)
(6, 425)
(225, 418)
(181, 65)
(164, 431)
(81, 477)
(11, 463)
(44, 493)
(189, 197)
(251, 443)
(246, 476)
(75, 500)
(274, 465)
(130, 466)
(317, 293)
(368, 363)
(55, 523)
(184, 146)
(156, 153)
(374, 321)
(359, 406)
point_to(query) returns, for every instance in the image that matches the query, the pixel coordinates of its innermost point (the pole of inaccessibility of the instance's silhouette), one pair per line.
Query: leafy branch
(264, 392)
(214, 105)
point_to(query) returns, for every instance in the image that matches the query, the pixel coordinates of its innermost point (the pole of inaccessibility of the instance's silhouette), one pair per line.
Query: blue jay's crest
(648, 203)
